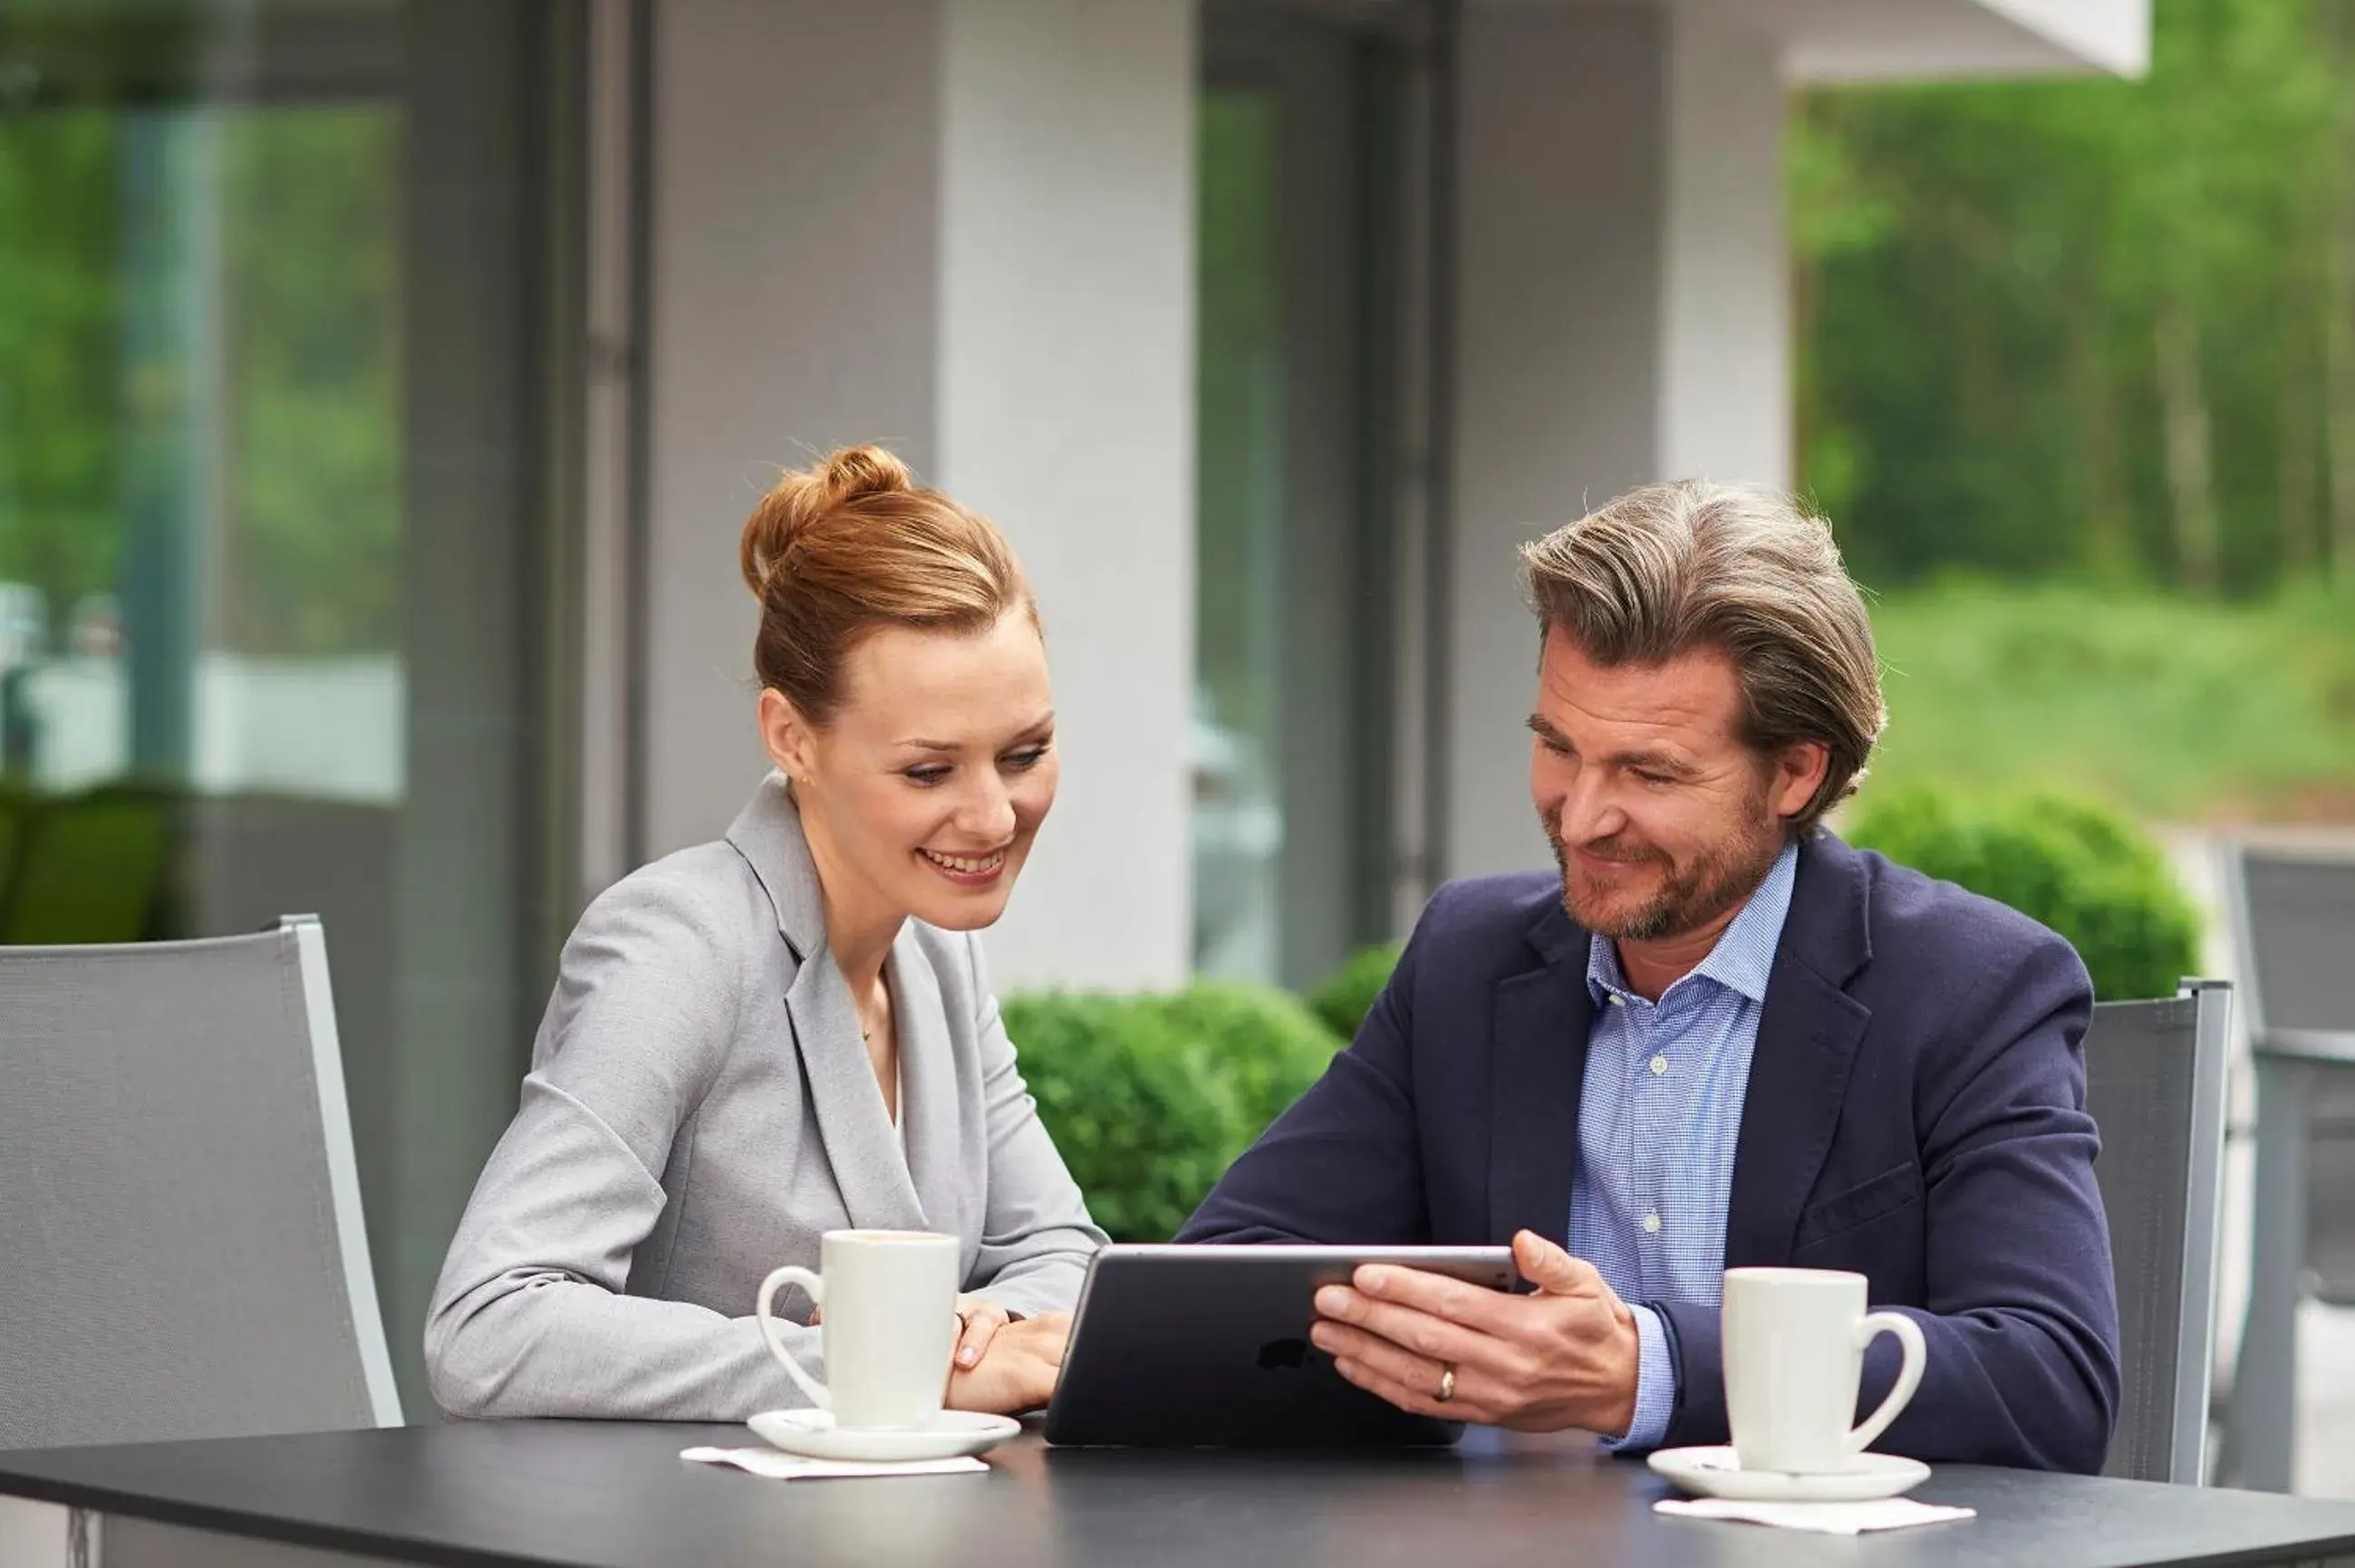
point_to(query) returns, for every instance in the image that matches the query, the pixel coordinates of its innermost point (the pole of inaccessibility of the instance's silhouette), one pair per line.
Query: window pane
(1297, 404)
(270, 413)
(1238, 825)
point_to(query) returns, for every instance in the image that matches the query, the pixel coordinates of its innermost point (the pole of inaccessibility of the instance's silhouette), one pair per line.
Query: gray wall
(1558, 364)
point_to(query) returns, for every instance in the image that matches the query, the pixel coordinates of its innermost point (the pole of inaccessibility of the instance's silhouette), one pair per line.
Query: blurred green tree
(2089, 326)
(305, 558)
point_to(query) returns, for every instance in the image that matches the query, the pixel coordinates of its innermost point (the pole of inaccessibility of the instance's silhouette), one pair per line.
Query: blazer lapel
(860, 1143)
(1808, 1034)
(929, 1105)
(1537, 1074)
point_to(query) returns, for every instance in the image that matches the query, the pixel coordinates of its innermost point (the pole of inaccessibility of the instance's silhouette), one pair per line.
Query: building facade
(383, 383)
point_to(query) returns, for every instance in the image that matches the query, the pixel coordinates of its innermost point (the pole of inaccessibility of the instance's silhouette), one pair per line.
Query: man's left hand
(1565, 1357)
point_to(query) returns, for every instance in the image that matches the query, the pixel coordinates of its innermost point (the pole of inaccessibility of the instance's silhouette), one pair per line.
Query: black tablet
(1208, 1346)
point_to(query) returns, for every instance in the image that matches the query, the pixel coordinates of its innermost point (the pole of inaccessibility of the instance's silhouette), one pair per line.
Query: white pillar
(963, 228)
(1066, 412)
(1620, 319)
(1725, 315)
(795, 204)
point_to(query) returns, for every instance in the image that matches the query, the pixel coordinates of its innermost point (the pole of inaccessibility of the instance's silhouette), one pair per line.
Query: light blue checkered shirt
(1656, 1127)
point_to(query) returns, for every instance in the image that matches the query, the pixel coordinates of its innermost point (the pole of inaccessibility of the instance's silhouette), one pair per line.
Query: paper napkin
(782, 1466)
(1826, 1517)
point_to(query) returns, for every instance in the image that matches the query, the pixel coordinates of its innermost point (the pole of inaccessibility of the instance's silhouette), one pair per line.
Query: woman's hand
(977, 1324)
(1017, 1367)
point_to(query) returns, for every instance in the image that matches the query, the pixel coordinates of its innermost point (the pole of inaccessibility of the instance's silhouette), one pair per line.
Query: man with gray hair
(1717, 1037)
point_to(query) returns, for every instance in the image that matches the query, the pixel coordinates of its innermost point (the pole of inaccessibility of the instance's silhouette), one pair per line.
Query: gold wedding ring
(1446, 1383)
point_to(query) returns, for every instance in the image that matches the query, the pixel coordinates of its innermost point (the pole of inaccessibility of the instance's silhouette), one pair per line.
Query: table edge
(93, 1498)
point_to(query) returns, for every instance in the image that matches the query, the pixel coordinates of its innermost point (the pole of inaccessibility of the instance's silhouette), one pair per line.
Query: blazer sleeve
(530, 1316)
(1344, 1165)
(2019, 1313)
(1036, 1235)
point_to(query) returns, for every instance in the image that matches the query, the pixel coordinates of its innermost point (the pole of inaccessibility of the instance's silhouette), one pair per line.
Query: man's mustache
(1606, 849)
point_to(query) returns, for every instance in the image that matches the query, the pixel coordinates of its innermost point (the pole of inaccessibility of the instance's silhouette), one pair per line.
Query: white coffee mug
(889, 1328)
(1794, 1350)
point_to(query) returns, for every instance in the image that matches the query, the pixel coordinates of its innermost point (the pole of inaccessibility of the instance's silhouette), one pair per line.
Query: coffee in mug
(1794, 1344)
(889, 1325)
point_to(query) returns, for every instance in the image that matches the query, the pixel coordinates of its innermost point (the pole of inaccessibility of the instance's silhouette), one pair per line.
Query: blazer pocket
(1862, 1204)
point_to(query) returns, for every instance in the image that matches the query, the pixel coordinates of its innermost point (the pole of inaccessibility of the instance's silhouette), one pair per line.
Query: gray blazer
(700, 1109)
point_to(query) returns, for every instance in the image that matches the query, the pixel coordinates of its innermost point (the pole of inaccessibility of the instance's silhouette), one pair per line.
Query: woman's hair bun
(852, 543)
(852, 472)
(802, 496)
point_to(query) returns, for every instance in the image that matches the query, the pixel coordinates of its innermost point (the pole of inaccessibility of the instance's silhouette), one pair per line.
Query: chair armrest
(2328, 1046)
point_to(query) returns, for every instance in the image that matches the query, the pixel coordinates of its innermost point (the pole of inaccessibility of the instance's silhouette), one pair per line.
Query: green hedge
(1151, 1098)
(2077, 867)
(1267, 1045)
(1142, 1114)
(1346, 996)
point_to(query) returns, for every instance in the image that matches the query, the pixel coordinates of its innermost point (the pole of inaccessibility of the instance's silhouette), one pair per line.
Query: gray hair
(1669, 569)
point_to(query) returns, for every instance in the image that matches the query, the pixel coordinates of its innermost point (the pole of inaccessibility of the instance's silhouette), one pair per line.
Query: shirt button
(1618, 1000)
(1652, 1225)
(1660, 1065)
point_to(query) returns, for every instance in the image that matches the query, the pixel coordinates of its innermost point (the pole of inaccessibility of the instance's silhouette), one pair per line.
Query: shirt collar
(1744, 954)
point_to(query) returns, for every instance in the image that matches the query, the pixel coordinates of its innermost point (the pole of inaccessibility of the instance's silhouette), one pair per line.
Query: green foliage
(2078, 324)
(86, 868)
(1143, 1115)
(1344, 998)
(1151, 1098)
(2075, 866)
(1266, 1044)
(60, 324)
(2167, 706)
(312, 259)
(305, 387)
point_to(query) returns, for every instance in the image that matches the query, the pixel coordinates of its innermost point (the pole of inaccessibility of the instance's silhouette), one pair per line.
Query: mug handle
(1908, 1375)
(794, 1274)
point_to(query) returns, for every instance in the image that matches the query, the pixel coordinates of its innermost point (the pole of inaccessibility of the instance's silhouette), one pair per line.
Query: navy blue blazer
(1916, 1113)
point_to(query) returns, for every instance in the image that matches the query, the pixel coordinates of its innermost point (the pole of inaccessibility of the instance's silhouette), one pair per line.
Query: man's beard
(1690, 897)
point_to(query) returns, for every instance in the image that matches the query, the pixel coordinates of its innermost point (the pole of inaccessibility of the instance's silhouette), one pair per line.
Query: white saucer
(1716, 1473)
(813, 1434)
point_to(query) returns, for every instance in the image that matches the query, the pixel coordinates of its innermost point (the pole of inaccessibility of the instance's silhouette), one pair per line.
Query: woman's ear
(785, 736)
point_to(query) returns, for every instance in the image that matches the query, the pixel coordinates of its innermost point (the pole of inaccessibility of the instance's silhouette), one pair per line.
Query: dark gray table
(618, 1495)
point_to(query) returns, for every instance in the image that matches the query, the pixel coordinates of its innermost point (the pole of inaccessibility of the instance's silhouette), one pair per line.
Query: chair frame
(2196, 1268)
(343, 1165)
(2261, 1425)
(2203, 1228)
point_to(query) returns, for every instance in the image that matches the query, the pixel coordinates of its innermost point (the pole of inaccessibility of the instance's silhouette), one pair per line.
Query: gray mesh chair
(179, 1209)
(2155, 1079)
(2293, 925)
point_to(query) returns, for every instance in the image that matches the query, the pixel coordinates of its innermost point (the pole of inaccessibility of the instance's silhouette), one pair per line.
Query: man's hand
(1564, 1357)
(1017, 1370)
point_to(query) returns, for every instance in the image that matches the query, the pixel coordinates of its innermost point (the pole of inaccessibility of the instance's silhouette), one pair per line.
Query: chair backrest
(2293, 924)
(2294, 919)
(2155, 1083)
(181, 1246)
